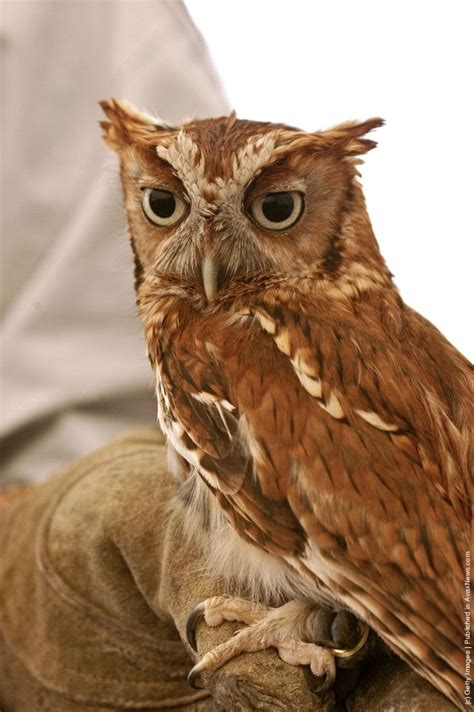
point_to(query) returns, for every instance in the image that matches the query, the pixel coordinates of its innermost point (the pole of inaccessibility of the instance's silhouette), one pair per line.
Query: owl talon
(192, 677)
(326, 685)
(193, 618)
(282, 628)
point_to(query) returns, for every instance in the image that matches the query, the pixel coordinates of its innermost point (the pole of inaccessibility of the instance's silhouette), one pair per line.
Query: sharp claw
(191, 679)
(327, 683)
(329, 680)
(196, 613)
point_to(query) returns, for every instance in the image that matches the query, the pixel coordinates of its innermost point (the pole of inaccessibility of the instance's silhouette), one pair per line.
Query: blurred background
(74, 371)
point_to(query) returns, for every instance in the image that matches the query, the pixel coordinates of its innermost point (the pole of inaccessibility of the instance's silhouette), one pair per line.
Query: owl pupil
(277, 207)
(162, 203)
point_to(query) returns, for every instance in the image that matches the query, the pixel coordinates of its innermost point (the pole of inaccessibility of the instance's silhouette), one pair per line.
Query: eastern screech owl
(321, 427)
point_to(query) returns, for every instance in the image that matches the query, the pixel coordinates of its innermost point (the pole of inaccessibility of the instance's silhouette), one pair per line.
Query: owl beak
(209, 277)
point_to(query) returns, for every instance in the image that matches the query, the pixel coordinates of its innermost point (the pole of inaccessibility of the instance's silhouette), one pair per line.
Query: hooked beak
(209, 277)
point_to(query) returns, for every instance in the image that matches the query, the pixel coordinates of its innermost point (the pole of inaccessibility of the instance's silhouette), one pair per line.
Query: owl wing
(341, 467)
(372, 469)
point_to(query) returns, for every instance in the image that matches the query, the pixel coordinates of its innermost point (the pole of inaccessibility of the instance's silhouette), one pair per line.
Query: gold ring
(349, 652)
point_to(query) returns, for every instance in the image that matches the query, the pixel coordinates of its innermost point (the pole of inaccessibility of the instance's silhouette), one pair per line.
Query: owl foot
(291, 629)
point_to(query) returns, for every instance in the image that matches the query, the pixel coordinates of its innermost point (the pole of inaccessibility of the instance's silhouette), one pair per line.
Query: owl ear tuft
(347, 138)
(127, 125)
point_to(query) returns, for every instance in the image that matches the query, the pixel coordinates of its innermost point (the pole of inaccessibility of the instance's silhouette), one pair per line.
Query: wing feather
(341, 454)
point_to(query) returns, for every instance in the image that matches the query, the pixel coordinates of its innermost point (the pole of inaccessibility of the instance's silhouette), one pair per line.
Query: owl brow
(188, 162)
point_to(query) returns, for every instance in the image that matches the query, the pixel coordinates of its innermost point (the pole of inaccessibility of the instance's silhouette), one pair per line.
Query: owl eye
(277, 211)
(162, 207)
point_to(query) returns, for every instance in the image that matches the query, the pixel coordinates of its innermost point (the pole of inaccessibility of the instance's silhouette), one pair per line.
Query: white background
(313, 64)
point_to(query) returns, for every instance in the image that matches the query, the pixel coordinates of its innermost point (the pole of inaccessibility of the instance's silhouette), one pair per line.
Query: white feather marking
(312, 385)
(373, 275)
(247, 435)
(182, 155)
(163, 393)
(228, 406)
(252, 157)
(204, 397)
(301, 365)
(265, 322)
(363, 284)
(307, 376)
(333, 406)
(210, 477)
(210, 398)
(373, 419)
(219, 410)
(173, 429)
(282, 340)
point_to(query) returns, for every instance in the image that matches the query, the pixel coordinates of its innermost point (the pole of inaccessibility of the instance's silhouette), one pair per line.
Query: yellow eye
(277, 211)
(162, 207)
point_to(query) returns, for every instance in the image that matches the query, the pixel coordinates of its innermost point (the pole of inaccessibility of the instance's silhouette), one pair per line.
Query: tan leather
(96, 582)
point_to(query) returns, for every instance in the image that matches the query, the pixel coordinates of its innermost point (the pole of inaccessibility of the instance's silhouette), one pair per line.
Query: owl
(319, 427)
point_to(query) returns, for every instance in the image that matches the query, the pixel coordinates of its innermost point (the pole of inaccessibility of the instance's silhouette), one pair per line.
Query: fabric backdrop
(74, 369)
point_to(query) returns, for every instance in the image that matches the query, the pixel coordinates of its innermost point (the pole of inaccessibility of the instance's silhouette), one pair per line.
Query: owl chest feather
(253, 526)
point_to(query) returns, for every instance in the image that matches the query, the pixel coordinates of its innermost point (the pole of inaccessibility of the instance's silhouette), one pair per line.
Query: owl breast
(252, 533)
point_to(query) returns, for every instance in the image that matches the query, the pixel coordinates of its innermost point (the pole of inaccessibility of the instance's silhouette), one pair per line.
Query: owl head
(218, 200)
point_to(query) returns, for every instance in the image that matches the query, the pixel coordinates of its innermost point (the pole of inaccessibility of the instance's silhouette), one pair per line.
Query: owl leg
(291, 629)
